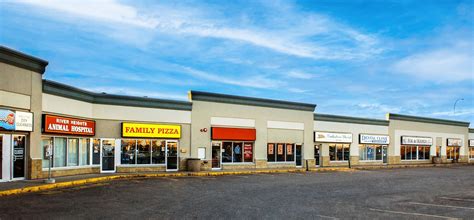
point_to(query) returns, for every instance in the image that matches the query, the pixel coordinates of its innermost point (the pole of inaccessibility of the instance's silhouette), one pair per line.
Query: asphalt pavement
(410, 193)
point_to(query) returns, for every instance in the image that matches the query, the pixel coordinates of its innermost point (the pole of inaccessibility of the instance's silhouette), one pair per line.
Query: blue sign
(7, 119)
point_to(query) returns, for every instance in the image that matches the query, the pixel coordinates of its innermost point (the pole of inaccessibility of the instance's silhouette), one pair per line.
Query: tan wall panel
(203, 111)
(353, 128)
(14, 100)
(65, 106)
(285, 136)
(14, 79)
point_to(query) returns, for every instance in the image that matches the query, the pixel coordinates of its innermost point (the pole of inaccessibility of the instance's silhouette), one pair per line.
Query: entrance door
(108, 155)
(216, 155)
(317, 154)
(384, 154)
(19, 143)
(171, 156)
(298, 155)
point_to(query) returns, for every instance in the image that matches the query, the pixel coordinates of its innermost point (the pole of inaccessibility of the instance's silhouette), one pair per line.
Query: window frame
(415, 148)
(285, 152)
(232, 151)
(151, 141)
(343, 147)
(89, 142)
(375, 147)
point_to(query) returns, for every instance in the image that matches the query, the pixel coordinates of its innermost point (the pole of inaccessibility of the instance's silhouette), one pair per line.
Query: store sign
(374, 139)
(24, 121)
(16, 120)
(150, 130)
(454, 142)
(7, 119)
(333, 137)
(417, 140)
(66, 125)
(471, 143)
(248, 153)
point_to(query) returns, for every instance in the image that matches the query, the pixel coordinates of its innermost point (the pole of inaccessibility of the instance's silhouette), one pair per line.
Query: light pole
(454, 107)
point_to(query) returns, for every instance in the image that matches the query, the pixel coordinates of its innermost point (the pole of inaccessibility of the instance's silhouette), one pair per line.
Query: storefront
(14, 133)
(453, 148)
(232, 146)
(147, 146)
(373, 148)
(415, 148)
(67, 144)
(338, 145)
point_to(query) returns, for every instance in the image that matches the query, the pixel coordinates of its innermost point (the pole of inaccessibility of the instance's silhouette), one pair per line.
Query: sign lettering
(374, 139)
(151, 130)
(64, 125)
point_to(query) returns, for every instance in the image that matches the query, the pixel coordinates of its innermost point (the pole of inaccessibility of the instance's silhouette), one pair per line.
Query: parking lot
(416, 193)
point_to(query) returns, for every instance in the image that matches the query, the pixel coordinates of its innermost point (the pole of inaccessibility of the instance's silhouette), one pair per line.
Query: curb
(67, 184)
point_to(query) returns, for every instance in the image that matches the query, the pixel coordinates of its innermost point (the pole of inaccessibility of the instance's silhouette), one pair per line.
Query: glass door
(216, 155)
(298, 155)
(384, 154)
(172, 156)
(108, 155)
(317, 154)
(19, 143)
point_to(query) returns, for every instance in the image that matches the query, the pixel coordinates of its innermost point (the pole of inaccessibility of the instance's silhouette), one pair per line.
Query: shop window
(158, 151)
(144, 151)
(59, 152)
(452, 152)
(237, 152)
(84, 149)
(280, 152)
(271, 152)
(370, 152)
(67, 152)
(73, 152)
(127, 155)
(339, 152)
(46, 142)
(414, 152)
(438, 151)
(96, 152)
(471, 152)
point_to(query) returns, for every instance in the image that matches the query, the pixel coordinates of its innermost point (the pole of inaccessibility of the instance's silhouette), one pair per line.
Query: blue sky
(357, 58)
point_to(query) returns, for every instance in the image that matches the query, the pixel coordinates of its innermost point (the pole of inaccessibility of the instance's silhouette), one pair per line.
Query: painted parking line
(413, 213)
(325, 216)
(457, 199)
(446, 206)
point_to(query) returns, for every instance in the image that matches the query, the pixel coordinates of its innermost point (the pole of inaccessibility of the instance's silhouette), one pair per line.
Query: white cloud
(300, 75)
(450, 64)
(313, 36)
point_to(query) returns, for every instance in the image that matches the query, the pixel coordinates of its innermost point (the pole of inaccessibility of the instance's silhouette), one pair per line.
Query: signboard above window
(65, 125)
(150, 130)
(454, 142)
(409, 140)
(471, 143)
(16, 120)
(374, 139)
(332, 137)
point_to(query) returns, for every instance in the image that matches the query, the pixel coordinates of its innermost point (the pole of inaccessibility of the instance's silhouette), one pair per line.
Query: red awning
(235, 134)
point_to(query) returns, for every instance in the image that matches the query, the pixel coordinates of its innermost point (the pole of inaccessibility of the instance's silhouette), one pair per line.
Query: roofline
(392, 116)
(348, 119)
(63, 90)
(243, 100)
(471, 130)
(19, 59)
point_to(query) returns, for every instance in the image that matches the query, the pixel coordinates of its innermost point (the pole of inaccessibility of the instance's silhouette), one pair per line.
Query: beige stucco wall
(66, 106)
(203, 111)
(354, 129)
(438, 132)
(285, 136)
(21, 89)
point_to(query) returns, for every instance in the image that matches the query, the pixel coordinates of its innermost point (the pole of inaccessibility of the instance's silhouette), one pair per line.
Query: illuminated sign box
(66, 125)
(139, 130)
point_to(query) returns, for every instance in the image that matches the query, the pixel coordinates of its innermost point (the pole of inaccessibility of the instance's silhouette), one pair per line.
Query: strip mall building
(86, 132)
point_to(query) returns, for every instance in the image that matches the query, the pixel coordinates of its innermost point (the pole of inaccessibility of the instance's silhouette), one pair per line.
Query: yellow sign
(150, 130)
